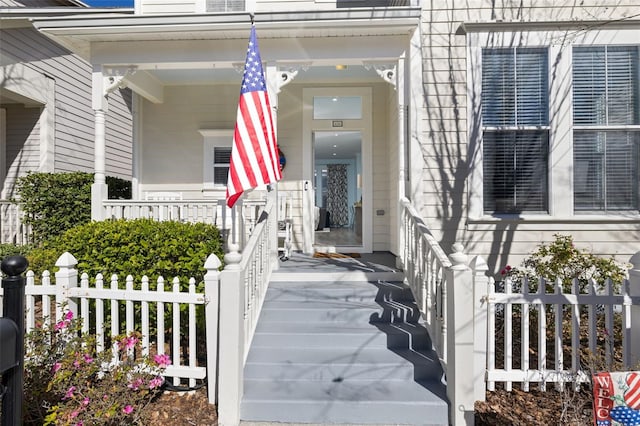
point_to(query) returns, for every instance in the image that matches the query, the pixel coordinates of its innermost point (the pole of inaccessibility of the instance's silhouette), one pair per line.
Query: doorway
(337, 183)
(337, 161)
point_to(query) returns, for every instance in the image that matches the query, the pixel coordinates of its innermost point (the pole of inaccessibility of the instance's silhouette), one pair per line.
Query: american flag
(254, 154)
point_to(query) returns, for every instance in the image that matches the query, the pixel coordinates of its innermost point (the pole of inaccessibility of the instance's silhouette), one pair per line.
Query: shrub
(67, 382)
(119, 189)
(13, 250)
(54, 202)
(134, 247)
(562, 260)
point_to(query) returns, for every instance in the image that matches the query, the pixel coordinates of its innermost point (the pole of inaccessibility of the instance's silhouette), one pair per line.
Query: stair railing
(447, 291)
(243, 284)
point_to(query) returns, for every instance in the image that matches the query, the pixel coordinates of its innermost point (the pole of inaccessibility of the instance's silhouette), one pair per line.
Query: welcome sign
(616, 398)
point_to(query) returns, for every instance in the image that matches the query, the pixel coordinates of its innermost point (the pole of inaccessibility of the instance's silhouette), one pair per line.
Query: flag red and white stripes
(254, 154)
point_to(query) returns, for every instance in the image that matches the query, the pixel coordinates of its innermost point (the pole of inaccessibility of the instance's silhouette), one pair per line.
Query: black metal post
(13, 308)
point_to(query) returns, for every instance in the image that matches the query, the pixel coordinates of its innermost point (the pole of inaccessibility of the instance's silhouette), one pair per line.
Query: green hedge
(55, 202)
(134, 247)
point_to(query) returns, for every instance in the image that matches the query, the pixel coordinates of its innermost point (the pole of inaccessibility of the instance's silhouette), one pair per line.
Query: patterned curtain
(337, 194)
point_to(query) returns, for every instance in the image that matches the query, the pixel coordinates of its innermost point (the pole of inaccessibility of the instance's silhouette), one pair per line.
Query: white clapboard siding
(68, 82)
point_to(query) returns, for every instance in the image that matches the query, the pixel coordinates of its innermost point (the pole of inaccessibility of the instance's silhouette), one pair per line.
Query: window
(225, 6)
(216, 156)
(515, 130)
(606, 128)
(221, 160)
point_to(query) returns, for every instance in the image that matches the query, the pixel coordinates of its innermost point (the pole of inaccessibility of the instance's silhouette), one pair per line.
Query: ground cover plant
(69, 382)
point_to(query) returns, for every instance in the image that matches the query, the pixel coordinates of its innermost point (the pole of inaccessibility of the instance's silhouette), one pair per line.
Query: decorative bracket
(286, 76)
(117, 78)
(386, 71)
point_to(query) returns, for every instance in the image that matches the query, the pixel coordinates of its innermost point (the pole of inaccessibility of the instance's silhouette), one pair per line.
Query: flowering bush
(68, 382)
(562, 260)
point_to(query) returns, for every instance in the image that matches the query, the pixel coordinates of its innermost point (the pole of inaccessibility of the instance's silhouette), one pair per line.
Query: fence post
(212, 294)
(13, 309)
(66, 278)
(634, 291)
(231, 358)
(481, 284)
(460, 387)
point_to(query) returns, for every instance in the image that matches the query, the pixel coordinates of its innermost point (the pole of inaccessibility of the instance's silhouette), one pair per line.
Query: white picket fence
(593, 314)
(466, 317)
(99, 302)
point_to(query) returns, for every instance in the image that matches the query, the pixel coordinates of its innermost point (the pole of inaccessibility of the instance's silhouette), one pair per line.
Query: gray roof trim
(116, 23)
(500, 26)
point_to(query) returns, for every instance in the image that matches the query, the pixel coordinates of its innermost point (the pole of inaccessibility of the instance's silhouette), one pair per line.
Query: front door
(338, 164)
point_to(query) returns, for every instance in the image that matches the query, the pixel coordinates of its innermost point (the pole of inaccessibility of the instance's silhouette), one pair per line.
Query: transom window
(606, 128)
(515, 118)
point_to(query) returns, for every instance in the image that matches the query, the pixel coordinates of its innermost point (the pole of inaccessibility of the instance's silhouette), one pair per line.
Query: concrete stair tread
(368, 391)
(400, 370)
(323, 327)
(367, 355)
(329, 284)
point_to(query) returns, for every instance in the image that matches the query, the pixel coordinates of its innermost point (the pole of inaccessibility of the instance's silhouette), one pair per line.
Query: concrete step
(340, 311)
(425, 363)
(338, 371)
(351, 291)
(326, 334)
(363, 401)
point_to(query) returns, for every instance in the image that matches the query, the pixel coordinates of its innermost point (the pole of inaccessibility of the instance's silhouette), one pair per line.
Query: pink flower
(85, 401)
(156, 382)
(69, 393)
(56, 366)
(162, 360)
(128, 409)
(76, 363)
(59, 325)
(87, 358)
(74, 414)
(135, 385)
(505, 270)
(128, 342)
(68, 316)
(79, 424)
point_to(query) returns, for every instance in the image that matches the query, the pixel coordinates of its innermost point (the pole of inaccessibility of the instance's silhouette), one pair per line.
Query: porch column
(100, 105)
(402, 154)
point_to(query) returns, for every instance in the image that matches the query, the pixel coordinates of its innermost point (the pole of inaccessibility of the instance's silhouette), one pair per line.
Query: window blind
(225, 6)
(514, 87)
(221, 160)
(515, 141)
(515, 171)
(605, 170)
(605, 94)
(605, 85)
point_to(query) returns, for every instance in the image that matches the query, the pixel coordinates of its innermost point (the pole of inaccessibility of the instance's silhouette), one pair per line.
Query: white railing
(235, 223)
(426, 269)
(12, 229)
(98, 302)
(243, 284)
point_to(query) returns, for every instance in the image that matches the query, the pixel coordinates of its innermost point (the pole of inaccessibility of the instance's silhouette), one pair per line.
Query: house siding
(448, 147)
(25, 51)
